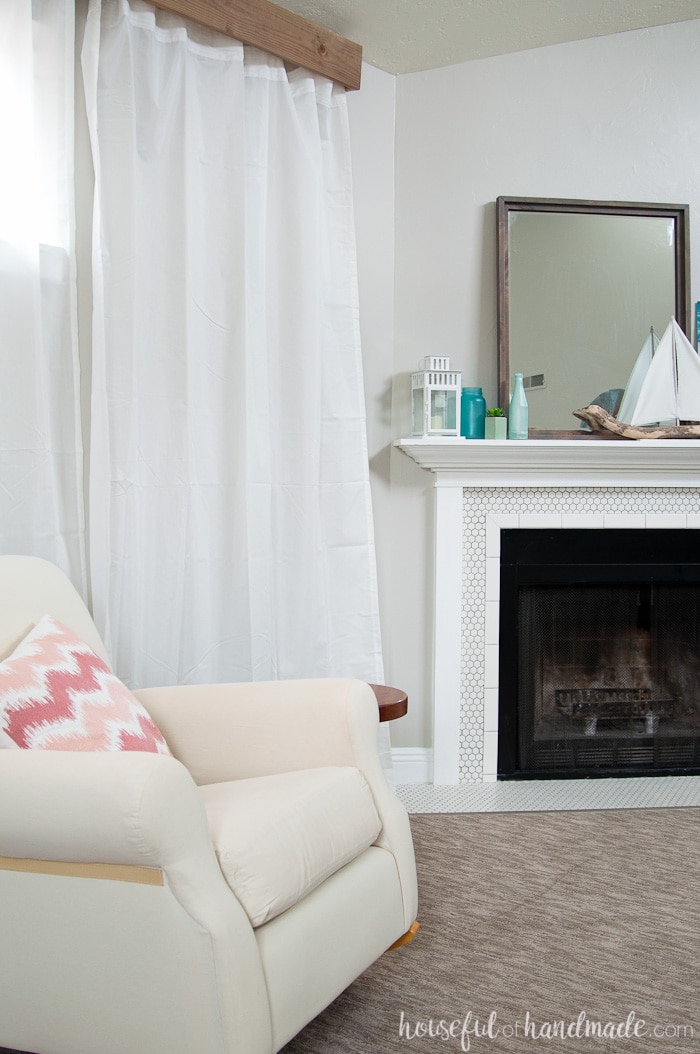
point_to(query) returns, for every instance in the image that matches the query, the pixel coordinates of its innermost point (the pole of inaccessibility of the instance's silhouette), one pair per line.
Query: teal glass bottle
(517, 412)
(472, 413)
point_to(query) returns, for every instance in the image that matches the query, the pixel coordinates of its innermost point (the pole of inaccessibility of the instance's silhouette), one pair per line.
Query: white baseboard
(412, 764)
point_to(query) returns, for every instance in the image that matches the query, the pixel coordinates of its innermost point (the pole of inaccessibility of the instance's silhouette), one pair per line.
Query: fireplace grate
(619, 705)
(611, 703)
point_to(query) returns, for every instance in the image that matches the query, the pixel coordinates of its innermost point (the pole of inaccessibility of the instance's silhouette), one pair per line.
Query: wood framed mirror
(580, 285)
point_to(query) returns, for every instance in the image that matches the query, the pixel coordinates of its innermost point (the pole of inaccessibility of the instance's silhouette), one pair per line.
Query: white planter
(496, 428)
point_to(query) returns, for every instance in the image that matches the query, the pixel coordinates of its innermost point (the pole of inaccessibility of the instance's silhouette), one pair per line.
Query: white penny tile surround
(482, 487)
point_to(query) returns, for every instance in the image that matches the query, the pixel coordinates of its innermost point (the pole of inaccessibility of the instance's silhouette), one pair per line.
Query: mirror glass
(580, 286)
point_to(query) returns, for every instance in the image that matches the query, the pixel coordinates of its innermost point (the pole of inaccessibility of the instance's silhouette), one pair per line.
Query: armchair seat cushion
(278, 837)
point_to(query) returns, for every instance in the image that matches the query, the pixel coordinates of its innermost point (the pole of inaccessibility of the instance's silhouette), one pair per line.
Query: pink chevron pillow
(57, 694)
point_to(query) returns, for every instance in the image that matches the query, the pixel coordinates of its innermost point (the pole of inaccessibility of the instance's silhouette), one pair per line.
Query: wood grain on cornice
(285, 34)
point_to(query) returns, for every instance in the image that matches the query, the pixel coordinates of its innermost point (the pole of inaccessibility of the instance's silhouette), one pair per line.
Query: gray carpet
(545, 920)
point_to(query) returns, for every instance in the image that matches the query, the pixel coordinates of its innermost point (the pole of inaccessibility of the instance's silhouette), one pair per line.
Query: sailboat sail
(634, 384)
(670, 391)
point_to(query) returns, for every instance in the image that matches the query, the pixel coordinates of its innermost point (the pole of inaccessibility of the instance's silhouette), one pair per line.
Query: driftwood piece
(601, 421)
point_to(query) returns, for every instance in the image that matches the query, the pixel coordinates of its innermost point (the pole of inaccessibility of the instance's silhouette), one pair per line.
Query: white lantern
(436, 394)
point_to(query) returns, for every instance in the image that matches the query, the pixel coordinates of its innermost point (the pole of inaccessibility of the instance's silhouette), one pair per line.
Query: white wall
(398, 487)
(610, 118)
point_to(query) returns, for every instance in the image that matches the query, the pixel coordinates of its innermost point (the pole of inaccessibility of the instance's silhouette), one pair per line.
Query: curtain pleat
(231, 533)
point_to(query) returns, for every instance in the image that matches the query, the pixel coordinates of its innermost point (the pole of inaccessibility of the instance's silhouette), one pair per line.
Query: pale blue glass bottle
(517, 412)
(472, 413)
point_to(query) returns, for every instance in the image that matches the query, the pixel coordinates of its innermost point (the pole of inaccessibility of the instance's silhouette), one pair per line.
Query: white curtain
(231, 531)
(41, 475)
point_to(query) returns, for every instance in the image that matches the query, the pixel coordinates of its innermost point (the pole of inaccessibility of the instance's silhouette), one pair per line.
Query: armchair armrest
(142, 810)
(124, 808)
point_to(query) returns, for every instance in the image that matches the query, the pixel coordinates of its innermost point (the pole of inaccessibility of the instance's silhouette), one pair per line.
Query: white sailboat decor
(670, 390)
(639, 370)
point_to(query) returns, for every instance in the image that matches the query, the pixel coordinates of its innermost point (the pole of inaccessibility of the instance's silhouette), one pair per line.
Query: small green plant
(495, 411)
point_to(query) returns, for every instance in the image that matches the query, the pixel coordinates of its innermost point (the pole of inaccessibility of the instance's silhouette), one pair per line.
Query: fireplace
(599, 658)
(480, 489)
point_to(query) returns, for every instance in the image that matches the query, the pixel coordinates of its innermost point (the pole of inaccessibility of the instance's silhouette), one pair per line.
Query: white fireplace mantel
(558, 462)
(658, 483)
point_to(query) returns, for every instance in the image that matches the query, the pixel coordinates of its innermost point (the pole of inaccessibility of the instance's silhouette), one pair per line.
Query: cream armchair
(214, 900)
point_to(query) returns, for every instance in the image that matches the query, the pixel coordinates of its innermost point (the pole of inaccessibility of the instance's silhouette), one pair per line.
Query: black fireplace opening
(599, 653)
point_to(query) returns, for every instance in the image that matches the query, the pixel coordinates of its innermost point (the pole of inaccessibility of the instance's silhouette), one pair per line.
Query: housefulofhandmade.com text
(470, 1028)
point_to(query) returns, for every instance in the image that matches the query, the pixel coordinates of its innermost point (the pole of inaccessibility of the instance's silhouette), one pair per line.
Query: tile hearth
(652, 792)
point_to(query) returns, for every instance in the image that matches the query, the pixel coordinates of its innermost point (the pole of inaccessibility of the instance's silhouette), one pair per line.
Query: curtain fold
(231, 533)
(41, 468)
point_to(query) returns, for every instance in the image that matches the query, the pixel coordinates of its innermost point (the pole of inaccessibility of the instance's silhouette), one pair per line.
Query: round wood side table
(392, 702)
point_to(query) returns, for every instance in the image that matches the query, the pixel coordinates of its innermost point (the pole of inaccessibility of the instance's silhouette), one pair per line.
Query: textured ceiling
(404, 36)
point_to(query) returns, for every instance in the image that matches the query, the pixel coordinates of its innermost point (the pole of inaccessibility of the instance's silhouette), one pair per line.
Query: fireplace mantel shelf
(556, 462)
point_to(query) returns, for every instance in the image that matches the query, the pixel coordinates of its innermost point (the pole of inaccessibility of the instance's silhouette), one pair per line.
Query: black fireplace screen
(600, 655)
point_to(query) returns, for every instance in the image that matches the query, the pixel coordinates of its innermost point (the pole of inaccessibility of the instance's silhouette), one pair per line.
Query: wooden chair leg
(407, 936)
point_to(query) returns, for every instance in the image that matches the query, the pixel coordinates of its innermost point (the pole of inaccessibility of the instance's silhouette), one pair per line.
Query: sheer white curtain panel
(230, 510)
(41, 474)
